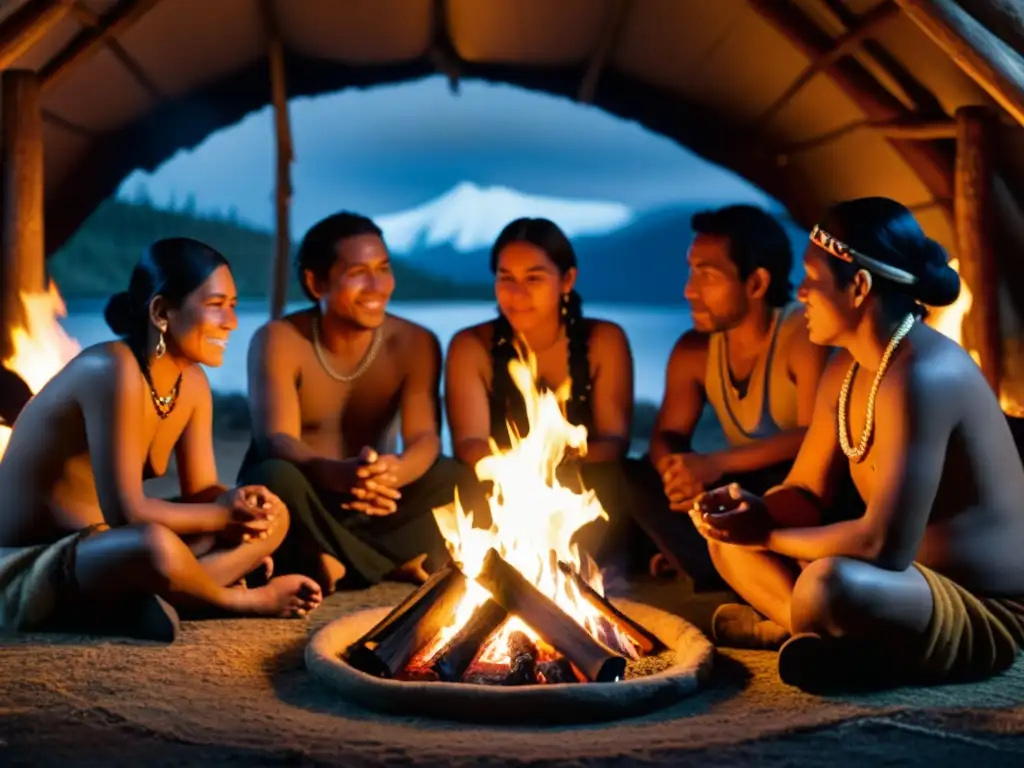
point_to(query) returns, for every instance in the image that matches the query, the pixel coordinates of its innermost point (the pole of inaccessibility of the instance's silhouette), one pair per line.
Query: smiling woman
(81, 546)
(585, 359)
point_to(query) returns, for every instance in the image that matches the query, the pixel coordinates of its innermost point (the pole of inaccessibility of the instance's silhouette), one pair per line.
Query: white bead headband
(841, 250)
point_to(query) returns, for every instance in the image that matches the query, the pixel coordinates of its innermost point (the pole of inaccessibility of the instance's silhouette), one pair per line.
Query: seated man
(926, 585)
(749, 357)
(325, 385)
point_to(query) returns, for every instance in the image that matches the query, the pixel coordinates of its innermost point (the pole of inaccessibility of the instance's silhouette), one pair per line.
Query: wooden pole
(27, 26)
(285, 154)
(22, 252)
(973, 205)
(865, 26)
(986, 59)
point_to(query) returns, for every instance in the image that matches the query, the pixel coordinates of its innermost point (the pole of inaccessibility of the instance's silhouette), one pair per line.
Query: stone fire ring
(538, 704)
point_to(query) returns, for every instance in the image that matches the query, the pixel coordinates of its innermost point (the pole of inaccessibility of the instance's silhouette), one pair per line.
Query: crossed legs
(833, 597)
(145, 559)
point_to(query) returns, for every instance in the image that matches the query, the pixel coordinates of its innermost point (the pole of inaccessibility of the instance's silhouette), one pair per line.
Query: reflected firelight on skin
(201, 326)
(359, 284)
(529, 288)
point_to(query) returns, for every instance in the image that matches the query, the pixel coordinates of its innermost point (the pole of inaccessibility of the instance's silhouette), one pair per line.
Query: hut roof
(813, 100)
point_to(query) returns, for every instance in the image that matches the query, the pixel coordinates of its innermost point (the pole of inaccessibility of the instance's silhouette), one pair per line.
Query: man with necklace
(326, 386)
(925, 586)
(748, 357)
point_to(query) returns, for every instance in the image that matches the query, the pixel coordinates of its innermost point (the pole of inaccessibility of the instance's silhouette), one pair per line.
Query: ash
(646, 666)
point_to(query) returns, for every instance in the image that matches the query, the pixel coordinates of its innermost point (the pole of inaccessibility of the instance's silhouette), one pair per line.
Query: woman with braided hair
(538, 309)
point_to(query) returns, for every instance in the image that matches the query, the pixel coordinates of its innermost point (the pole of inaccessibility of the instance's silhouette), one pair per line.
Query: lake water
(652, 331)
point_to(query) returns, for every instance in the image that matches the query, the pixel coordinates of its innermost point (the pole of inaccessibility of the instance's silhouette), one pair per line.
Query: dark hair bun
(118, 313)
(938, 284)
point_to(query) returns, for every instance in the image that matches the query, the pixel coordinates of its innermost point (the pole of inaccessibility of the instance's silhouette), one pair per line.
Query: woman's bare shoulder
(604, 329)
(474, 339)
(107, 360)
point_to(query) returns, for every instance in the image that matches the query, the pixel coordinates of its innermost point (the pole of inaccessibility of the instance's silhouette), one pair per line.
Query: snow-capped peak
(469, 217)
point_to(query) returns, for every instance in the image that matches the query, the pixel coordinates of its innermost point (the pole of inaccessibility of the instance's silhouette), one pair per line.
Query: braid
(579, 409)
(503, 401)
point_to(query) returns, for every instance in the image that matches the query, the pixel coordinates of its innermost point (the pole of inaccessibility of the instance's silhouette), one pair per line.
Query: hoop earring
(161, 346)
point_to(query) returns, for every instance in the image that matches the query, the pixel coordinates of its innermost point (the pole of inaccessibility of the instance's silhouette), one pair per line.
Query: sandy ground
(236, 692)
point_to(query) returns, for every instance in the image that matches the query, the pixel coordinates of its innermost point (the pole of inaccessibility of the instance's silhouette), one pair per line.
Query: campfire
(519, 604)
(40, 349)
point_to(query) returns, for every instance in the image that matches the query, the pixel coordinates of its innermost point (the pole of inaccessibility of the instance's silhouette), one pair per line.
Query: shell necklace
(857, 454)
(360, 369)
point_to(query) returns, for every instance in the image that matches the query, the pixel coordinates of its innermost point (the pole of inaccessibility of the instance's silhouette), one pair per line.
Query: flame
(41, 347)
(533, 520)
(949, 321)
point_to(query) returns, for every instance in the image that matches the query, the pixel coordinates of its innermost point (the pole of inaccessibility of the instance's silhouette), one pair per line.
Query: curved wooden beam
(986, 59)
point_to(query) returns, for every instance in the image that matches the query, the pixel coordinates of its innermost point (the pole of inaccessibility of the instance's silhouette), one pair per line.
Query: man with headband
(926, 586)
(749, 358)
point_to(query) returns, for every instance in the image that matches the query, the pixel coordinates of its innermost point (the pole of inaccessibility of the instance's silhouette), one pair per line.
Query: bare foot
(331, 572)
(412, 571)
(291, 596)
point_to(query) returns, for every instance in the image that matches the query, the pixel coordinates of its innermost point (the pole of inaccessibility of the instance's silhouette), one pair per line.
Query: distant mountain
(469, 218)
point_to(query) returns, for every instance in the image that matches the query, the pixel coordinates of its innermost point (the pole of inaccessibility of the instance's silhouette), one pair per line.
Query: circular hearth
(567, 703)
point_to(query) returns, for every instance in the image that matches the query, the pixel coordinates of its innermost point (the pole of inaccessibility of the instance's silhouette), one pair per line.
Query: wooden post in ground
(973, 206)
(22, 254)
(285, 155)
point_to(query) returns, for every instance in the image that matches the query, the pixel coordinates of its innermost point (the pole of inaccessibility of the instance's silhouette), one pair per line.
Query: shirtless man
(82, 548)
(926, 583)
(326, 385)
(749, 356)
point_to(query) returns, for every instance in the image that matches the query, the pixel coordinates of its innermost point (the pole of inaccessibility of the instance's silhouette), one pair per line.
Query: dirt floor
(237, 693)
(233, 693)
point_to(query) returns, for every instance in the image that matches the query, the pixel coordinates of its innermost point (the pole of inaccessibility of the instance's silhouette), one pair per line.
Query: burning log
(645, 641)
(387, 648)
(517, 595)
(523, 655)
(557, 671)
(460, 652)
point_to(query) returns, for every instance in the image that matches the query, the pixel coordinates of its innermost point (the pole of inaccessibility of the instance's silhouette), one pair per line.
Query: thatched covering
(129, 82)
